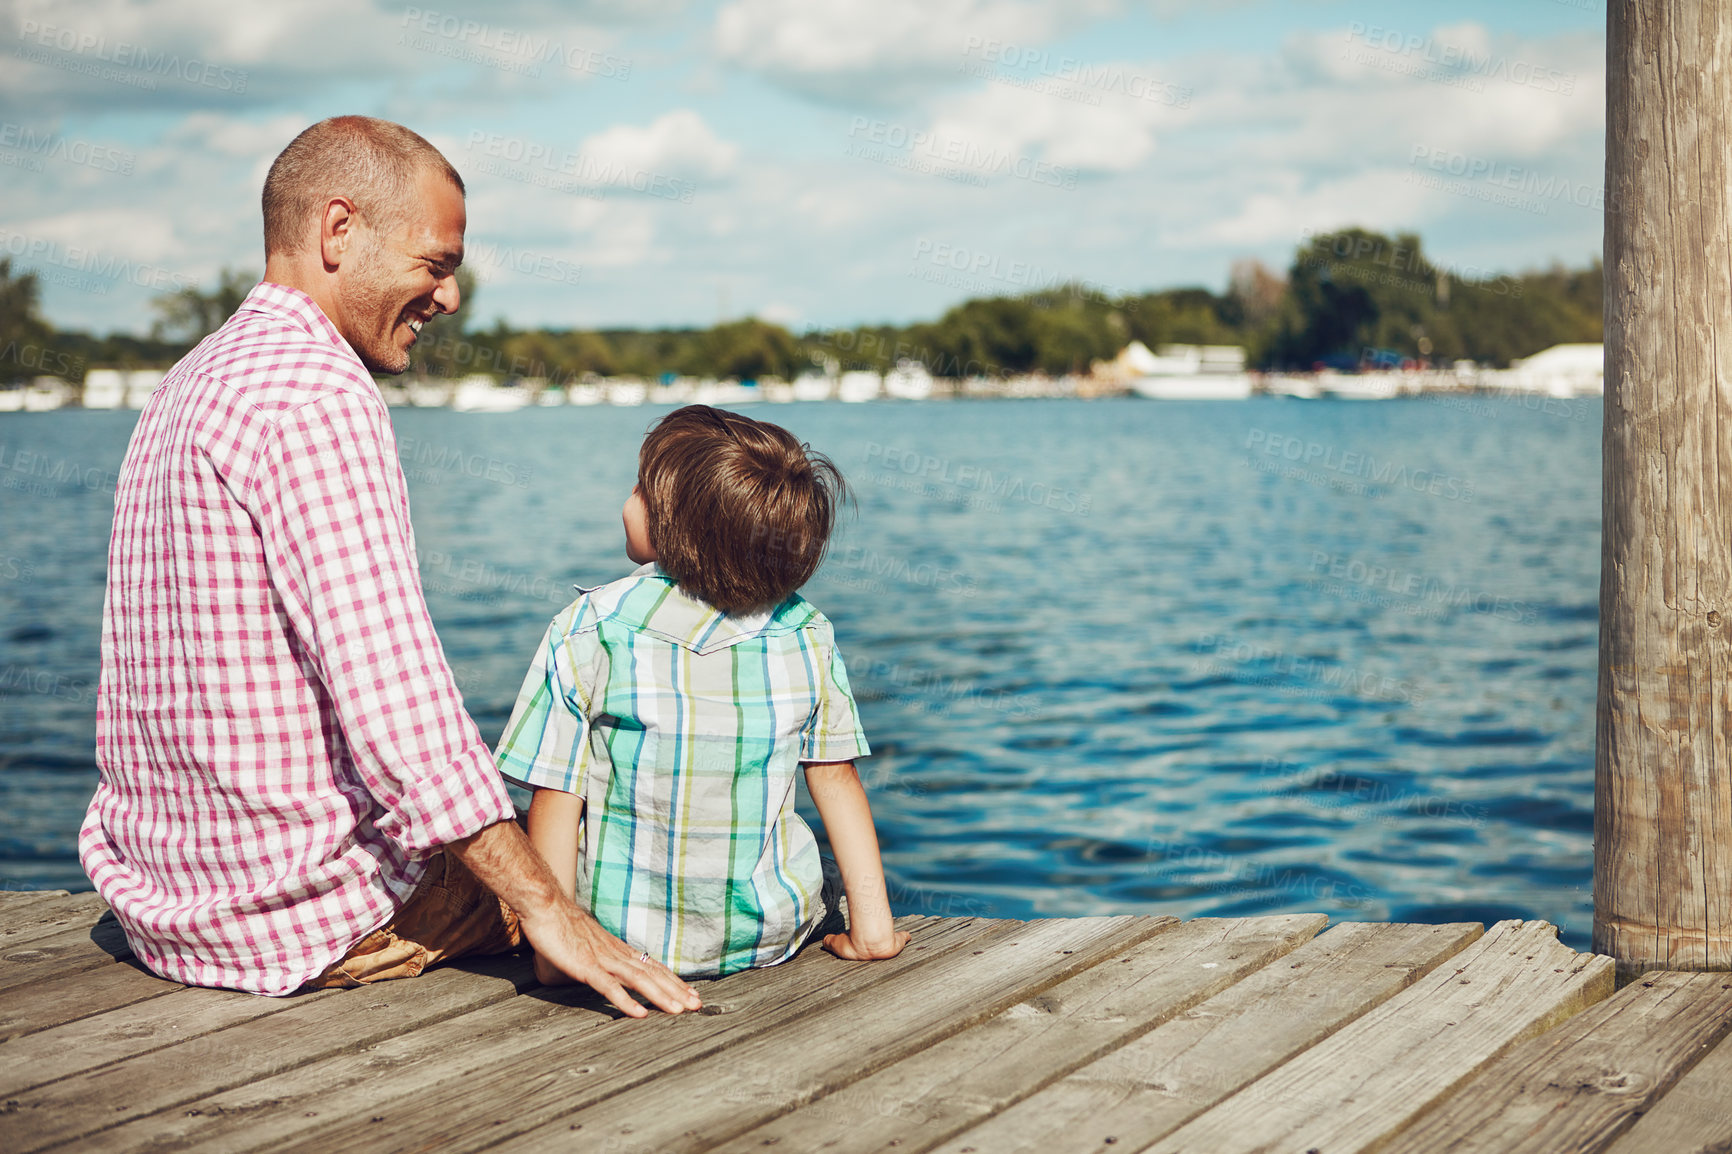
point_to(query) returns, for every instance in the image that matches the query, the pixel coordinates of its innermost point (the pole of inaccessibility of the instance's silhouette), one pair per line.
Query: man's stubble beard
(365, 299)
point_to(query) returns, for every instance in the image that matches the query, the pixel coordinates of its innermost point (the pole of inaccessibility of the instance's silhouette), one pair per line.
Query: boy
(661, 723)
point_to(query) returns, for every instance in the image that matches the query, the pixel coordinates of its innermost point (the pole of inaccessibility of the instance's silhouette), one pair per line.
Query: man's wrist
(502, 857)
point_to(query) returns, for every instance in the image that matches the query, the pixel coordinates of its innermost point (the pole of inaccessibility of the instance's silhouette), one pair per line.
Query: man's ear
(337, 231)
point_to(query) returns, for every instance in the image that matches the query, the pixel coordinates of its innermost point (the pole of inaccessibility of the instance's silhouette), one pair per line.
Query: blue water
(1112, 656)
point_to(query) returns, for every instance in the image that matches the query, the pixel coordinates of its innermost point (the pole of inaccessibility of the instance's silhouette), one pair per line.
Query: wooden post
(1663, 775)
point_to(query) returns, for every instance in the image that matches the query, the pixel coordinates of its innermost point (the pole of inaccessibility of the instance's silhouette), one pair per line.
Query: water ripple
(1220, 691)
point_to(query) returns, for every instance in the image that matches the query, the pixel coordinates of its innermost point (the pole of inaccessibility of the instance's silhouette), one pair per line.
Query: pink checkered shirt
(280, 738)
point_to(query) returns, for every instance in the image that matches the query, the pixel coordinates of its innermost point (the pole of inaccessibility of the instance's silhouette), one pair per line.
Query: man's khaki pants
(450, 915)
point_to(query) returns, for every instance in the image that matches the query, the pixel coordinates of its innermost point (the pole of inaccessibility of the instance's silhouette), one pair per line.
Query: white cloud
(1379, 200)
(92, 54)
(1090, 122)
(1241, 154)
(243, 139)
(882, 51)
(780, 313)
(677, 144)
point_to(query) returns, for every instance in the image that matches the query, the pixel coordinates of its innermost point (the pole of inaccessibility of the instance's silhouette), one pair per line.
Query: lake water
(1112, 656)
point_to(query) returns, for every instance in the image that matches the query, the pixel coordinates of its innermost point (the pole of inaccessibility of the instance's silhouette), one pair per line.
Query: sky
(816, 163)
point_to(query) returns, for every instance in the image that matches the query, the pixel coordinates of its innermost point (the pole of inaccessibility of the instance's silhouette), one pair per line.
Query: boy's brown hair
(739, 512)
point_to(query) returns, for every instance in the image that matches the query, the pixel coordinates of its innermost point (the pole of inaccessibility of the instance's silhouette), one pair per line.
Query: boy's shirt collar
(650, 601)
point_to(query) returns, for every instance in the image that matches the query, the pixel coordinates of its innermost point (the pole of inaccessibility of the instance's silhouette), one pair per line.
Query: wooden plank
(126, 1032)
(480, 1102)
(1693, 1117)
(27, 1009)
(312, 1027)
(562, 1025)
(67, 952)
(1370, 1079)
(283, 1106)
(780, 1069)
(14, 902)
(1577, 1087)
(1151, 1087)
(53, 916)
(15, 899)
(934, 1093)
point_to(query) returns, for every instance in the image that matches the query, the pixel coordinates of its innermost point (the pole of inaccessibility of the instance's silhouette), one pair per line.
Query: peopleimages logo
(930, 470)
(574, 172)
(1431, 59)
(1411, 592)
(1074, 71)
(1357, 467)
(959, 267)
(948, 156)
(42, 359)
(54, 146)
(1415, 270)
(510, 42)
(91, 47)
(75, 258)
(433, 460)
(1504, 178)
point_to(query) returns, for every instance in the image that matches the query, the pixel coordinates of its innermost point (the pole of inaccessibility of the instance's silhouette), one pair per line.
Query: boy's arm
(841, 802)
(553, 821)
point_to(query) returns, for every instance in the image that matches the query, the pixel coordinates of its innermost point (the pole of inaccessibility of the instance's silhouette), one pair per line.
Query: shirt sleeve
(546, 743)
(833, 730)
(331, 506)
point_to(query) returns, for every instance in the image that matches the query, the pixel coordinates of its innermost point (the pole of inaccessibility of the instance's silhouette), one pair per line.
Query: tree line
(1348, 299)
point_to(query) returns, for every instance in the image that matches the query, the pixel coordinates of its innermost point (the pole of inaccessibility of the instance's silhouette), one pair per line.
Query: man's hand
(849, 948)
(570, 942)
(565, 937)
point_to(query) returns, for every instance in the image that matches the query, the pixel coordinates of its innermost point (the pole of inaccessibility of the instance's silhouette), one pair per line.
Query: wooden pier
(1216, 1035)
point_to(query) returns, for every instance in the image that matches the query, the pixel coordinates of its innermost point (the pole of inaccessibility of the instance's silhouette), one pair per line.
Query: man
(291, 793)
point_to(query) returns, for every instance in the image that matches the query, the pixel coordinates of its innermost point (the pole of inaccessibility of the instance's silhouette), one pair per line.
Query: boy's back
(682, 728)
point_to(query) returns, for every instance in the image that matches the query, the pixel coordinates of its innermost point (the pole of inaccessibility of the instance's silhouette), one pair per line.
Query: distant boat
(584, 394)
(859, 385)
(478, 393)
(1193, 388)
(11, 399)
(104, 389)
(1188, 372)
(1301, 385)
(813, 387)
(1373, 386)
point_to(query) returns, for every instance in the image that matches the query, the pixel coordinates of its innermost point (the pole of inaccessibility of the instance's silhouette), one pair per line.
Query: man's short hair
(738, 511)
(372, 162)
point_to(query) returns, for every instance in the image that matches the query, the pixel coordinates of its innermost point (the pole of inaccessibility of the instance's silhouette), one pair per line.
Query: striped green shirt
(682, 728)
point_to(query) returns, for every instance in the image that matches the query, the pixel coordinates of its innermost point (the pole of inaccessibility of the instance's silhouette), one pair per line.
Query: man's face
(393, 282)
